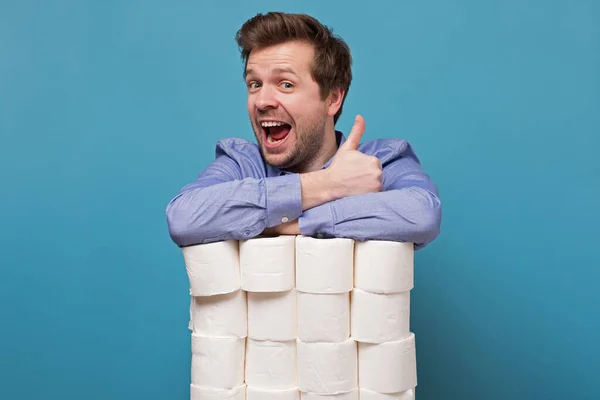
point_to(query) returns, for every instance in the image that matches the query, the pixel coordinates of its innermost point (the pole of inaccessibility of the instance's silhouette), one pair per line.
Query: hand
(352, 172)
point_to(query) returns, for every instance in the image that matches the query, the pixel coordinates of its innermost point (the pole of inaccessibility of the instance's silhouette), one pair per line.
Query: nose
(266, 98)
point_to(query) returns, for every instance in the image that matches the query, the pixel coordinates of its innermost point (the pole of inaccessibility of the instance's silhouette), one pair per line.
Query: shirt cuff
(317, 222)
(284, 199)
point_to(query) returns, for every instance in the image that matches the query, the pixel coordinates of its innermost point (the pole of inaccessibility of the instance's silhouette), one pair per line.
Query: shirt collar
(340, 139)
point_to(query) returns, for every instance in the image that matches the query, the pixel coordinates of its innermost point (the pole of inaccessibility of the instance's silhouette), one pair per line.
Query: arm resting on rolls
(407, 210)
(221, 205)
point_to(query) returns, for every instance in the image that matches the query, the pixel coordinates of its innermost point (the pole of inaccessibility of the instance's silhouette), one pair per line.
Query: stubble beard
(309, 136)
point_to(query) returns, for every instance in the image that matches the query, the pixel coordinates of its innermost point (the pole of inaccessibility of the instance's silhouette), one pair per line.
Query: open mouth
(275, 132)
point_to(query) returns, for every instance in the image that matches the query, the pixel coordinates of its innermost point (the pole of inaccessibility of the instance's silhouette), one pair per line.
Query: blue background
(108, 108)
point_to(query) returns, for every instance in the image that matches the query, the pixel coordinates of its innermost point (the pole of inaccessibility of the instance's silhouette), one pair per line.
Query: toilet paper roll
(352, 395)
(206, 393)
(220, 315)
(389, 367)
(212, 268)
(366, 394)
(261, 394)
(383, 266)
(323, 317)
(218, 362)
(324, 265)
(271, 365)
(190, 322)
(272, 316)
(327, 368)
(378, 318)
(267, 264)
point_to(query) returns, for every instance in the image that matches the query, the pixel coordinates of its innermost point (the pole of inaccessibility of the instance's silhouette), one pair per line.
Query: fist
(352, 172)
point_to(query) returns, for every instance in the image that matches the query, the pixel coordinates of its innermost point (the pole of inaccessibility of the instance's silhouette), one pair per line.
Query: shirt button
(284, 219)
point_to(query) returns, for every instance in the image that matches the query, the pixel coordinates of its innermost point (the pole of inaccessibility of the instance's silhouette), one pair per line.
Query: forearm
(245, 208)
(238, 209)
(316, 189)
(410, 214)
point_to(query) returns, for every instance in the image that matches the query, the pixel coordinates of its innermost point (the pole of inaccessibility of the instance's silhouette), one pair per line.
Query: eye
(252, 85)
(287, 85)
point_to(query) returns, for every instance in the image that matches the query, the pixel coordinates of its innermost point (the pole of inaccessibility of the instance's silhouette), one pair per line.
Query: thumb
(355, 134)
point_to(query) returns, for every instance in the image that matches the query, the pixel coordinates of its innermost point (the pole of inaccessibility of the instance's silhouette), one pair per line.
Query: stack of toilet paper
(295, 317)
(218, 320)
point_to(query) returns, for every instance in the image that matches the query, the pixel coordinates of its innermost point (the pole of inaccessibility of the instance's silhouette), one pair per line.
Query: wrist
(335, 190)
(291, 228)
(316, 188)
(272, 231)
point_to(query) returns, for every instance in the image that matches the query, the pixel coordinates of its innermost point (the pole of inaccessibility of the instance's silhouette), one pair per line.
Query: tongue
(279, 132)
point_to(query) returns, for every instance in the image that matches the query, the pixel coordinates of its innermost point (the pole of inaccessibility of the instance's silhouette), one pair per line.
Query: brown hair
(332, 64)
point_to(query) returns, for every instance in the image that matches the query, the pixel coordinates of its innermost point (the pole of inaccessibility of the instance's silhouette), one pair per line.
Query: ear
(334, 101)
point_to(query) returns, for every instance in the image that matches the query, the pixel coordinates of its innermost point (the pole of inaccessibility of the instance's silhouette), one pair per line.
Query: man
(303, 176)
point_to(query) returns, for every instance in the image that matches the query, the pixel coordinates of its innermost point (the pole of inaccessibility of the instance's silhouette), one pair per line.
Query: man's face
(285, 107)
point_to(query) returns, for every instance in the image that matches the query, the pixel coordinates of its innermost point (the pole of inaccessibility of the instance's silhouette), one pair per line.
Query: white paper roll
(383, 266)
(327, 368)
(212, 268)
(366, 394)
(352, 395)
(324, 265)
(261, 394)
(271, 365)
(206, 393)
(323, 317)
(378, 318)
(220, 315)
(272, 316)
(389, 367)
(267, 264)
(190, 322)
(218, 362)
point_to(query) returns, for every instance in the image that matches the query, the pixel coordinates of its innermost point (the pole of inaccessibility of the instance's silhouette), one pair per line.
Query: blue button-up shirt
(239, 195)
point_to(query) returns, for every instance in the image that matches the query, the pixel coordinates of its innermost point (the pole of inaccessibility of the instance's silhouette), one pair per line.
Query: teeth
(267, 124)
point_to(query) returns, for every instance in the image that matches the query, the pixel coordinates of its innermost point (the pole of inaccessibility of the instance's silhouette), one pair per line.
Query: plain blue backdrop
(108, 108)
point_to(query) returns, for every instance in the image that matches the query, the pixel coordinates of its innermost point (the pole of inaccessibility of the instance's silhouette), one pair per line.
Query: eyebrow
(277, 70)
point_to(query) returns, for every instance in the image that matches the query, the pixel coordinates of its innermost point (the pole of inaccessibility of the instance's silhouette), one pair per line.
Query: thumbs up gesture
(352, 172)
